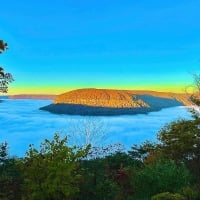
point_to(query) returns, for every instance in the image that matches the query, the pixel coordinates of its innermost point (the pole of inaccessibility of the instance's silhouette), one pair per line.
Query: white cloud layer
(22, 123)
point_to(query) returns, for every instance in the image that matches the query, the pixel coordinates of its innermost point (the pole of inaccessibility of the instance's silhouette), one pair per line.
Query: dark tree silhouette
(5, 78)
(3, 46)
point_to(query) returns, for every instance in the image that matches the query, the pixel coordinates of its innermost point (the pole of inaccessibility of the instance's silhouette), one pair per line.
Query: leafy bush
(168, 196)
(53, 172)
(10, 177)
(164, 175)
(190, 193)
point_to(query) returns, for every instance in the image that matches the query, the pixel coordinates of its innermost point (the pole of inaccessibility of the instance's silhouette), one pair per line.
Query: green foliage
(180, 141)
(168, 196)
(5, 79)
(142, 152)
(53, 172)
(164, 175)
(190, 193)
(10, 177)
(107, 178)
(119, 168)
(58, 172)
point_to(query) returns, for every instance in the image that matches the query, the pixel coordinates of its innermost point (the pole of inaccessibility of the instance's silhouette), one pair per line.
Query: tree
(142, 152)
(10, 177)
(195, 98)
(89, 130)
(180, 141)
(164, 175)
(3, 46)
(53, 172)
(107, 177)
(5, 78)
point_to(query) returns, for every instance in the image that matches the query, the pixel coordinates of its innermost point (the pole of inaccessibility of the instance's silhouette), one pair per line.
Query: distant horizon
(68, 90)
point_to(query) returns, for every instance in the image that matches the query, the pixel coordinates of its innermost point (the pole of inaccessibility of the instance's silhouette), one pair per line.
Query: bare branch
(89, 130)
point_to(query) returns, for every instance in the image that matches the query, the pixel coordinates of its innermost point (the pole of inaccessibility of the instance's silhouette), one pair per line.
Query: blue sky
(55, 46)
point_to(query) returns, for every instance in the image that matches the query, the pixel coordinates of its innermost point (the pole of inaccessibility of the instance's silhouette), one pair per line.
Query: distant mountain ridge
(33, 96)
(114, 98)
(100, 98)
(93, 101)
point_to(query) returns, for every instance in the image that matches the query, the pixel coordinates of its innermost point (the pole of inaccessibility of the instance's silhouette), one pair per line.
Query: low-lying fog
(22, 123)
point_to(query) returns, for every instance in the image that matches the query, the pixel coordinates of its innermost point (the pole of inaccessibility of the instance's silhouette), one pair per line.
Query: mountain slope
(33, 96)
(100, 98)
(114, 102)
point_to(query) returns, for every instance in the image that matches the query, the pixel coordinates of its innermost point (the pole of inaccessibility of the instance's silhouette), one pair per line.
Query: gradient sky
(56, 46)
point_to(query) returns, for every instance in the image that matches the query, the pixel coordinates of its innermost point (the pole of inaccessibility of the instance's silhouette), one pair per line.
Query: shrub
(168, 196)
